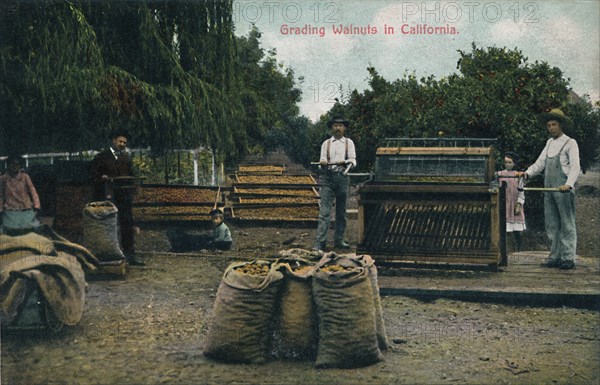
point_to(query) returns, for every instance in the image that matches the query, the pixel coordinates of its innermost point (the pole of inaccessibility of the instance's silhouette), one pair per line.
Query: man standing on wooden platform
(560, 162)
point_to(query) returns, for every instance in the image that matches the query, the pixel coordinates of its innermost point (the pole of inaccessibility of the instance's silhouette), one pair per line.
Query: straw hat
(556, 114)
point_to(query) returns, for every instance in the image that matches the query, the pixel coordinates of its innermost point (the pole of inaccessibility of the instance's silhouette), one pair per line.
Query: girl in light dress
(515, 197)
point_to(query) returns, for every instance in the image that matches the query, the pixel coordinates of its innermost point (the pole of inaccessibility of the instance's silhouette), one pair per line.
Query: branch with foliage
(169, 72)
(496, 94)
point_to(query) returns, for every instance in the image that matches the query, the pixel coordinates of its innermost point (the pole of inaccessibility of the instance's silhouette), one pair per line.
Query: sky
(418, 37)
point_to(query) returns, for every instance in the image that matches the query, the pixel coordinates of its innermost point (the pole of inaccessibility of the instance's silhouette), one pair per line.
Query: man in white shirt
(337, 153)
(560, 162)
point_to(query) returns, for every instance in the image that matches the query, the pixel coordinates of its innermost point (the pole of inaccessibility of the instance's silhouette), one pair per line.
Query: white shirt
(337, 151)
(114, 153)
(569, 158)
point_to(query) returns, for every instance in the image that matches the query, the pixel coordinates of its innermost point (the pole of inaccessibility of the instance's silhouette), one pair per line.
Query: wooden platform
(523, 281)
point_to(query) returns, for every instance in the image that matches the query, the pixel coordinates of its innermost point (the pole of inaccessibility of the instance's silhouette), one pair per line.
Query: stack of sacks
(60, 281)
(49, 264)
(302, 306)
(13, 248)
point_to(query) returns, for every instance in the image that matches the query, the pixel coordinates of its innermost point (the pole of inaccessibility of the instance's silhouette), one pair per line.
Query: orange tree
(496, 93)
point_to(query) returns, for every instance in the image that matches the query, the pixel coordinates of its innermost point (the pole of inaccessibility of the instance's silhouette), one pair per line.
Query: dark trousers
(126, 228)
(334, 188)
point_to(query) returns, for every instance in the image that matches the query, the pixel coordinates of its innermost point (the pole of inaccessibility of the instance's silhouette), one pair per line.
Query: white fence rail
(217, 173)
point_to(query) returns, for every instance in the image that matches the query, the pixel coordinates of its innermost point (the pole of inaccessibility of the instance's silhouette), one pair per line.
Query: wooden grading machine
(433, 201)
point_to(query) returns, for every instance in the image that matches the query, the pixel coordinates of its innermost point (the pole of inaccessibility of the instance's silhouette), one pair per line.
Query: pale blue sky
(565, 34)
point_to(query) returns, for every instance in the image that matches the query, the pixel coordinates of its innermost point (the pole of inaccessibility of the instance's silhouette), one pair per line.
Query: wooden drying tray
(273, 205)
(273, 196)
(272, 212)
(263, 191)
(181, 218)
(184, 186)
(178, 194)
(275, 179)
(287, 186)
(177, 204)
(261, 169)
(262, 166)
(268, 192)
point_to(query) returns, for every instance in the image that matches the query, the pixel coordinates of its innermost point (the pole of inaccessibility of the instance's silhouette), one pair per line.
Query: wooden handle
(217, 198)
(541, 189)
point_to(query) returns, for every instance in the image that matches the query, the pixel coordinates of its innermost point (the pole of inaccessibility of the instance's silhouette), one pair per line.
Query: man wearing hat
(560, 162)
(107, 165)
(337, 155)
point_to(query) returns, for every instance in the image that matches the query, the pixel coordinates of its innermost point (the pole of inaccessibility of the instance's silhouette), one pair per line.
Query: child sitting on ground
(183, 241)
(221, 238)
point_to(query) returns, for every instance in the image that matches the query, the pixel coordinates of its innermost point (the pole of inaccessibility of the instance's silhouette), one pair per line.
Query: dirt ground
(148, 328)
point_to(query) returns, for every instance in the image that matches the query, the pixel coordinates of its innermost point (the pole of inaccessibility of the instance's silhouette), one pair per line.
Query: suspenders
(564, 145)
(329, 148)
(559, 151)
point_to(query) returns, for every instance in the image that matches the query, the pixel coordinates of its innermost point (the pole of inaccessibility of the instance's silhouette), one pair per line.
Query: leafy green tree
(51, 71)
(73, 71)
(172, 72)
(586, 120)
(296, 140)
(270, 96)
(496, 94)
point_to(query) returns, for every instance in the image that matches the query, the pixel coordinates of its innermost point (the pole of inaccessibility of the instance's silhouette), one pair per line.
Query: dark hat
(120, 132)
(512, 155)
(216, 212)
(338, 119)
(555, 114)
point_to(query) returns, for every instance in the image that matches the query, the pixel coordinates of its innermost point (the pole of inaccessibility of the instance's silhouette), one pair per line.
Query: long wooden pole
(542, 189)
(217, 198)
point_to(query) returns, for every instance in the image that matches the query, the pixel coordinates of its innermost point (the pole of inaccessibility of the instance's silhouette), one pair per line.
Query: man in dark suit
(107, 165)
